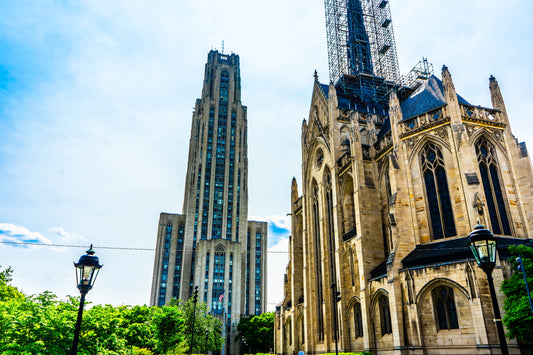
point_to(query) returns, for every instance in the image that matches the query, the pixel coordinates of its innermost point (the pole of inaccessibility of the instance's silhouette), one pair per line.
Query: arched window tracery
(437, 193)
(490, 177)
(318, 258)
(445, 311)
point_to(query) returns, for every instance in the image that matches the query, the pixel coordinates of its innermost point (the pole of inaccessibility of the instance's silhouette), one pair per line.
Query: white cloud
(66, 237)
(11, 233)
(102, 135)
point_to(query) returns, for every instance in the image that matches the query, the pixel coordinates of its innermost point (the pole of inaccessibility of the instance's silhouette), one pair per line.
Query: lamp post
(206, 336)
(521, 267)
(194, 300)
(336, 298)
(483, 245)
(87, 269)
(245, 345)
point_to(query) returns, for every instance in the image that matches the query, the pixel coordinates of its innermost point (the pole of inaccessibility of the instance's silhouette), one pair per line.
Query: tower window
(490, 177)
(437, 193)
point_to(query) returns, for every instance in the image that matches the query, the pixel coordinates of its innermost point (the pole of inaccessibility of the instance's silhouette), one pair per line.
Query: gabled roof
(429, 96)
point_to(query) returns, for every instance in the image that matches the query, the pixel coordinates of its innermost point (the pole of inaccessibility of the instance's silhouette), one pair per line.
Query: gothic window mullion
(496, 205)
(437, 193)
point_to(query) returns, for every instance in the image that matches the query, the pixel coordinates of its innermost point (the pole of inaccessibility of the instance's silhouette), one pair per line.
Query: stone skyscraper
(212, 244)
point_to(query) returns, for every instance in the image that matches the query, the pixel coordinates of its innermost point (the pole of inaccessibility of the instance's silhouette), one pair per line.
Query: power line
(342, 250)
(105, 247)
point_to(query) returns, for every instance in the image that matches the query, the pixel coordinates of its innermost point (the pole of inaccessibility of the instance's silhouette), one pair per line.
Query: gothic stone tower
(395, 175)
(212, 244)
(389, 196)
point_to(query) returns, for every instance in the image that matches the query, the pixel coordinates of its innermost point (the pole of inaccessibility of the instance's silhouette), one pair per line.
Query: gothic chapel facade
(379, 228)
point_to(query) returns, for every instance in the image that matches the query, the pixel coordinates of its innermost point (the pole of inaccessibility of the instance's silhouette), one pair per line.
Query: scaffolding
(361, 44)
(420, 73)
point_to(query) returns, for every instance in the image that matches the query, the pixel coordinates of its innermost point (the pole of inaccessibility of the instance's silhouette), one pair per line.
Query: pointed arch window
(488, 168)
(437, 192)
(357, 320)
(318, 260)
(445, 311)
(330, 227)
(384, 314)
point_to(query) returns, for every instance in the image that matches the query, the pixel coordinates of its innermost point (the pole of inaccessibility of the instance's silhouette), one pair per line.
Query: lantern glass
(87, 270)
(483, 245)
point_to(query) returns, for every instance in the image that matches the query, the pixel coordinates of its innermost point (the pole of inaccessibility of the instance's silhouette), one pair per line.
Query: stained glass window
(445, 311)
(488, 168)
(437, 193)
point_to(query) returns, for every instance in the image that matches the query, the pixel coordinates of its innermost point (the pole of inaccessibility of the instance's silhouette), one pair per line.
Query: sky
(96, 101)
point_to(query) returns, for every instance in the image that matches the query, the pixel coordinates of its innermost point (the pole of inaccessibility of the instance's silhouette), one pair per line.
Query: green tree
(258, 331)
(203, 322)
(6, 290)
(518, 315)
(42, 324)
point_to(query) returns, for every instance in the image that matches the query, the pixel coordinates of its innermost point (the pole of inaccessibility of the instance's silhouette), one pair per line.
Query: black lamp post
(206, 337)
(336, 296)
(521, 268)
(194, 300)
(87, 269)
(245, 345)
(483, 245)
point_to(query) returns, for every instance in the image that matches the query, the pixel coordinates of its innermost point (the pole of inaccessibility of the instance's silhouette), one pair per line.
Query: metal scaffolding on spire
(361, 44)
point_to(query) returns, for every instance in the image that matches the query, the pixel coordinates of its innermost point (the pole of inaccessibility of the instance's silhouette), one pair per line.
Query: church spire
(496, 96)
(450, 96)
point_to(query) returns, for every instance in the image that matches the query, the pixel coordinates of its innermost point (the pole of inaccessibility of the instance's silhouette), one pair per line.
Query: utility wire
(105, 247)
(181, 250)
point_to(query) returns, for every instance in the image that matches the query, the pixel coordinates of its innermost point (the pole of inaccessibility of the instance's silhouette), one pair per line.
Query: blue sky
(96, 100)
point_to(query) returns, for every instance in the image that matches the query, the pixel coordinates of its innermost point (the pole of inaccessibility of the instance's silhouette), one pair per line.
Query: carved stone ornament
(319, 159)
(411, 142)
(470, 129)
(344, 113)
(496, 133)
(442, 132)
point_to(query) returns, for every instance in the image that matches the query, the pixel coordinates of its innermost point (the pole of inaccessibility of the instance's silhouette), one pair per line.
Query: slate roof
(429, 96)
(454, 250)
(446, 251)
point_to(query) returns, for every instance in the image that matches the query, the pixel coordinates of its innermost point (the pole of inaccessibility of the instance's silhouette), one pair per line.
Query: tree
(518, 315)
(258, 331)
(6, 290)
(42, 324)
(203, 322)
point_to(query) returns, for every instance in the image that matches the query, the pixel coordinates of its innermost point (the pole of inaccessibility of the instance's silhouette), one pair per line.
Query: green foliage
(518, 315)
(257, 332)
(42, 324)
(6, 290)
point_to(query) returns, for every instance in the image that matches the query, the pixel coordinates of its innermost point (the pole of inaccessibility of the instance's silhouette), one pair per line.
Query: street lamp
(336, 296)
(194, 300)
(206, 336)
(87, 269)
(483, 245)
(245, 344)
(521, 268)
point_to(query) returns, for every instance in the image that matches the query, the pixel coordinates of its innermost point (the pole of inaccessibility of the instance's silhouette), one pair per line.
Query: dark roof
(446, 251)
(385, 128)
(379, 271)
(454, 250)
(351, 101)
(429, 96)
